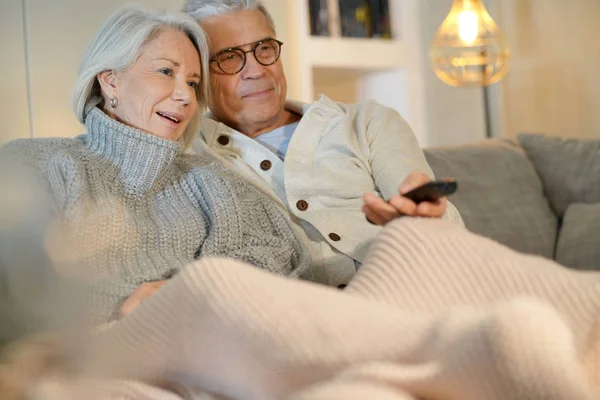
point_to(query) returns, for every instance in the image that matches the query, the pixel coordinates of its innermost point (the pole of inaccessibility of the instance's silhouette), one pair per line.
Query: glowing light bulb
(469, 49)
(467, 27)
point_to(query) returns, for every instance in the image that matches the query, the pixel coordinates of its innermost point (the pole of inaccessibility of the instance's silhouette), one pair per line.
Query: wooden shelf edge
(354, 53)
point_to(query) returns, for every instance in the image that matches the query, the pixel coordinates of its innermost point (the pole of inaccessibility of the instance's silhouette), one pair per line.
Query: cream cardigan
(338, 153)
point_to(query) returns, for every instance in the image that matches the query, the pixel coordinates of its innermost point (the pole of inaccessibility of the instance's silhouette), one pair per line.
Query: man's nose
(253, 69)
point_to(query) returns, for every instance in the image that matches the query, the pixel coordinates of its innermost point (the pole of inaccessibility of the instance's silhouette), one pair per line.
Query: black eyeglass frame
(255, 46)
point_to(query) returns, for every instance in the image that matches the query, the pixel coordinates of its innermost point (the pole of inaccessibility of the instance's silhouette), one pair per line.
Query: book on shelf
(319, 17)
(354, 18)
(380, 24)
(350, 18)
(365, 18)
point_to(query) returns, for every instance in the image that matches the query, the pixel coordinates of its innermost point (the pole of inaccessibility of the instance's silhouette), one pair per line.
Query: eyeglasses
(232, 60)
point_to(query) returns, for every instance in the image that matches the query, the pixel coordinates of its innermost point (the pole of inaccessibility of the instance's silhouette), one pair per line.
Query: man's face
(252, 100)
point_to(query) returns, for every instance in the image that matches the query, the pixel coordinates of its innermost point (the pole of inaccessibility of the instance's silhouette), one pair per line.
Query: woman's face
(158, 93)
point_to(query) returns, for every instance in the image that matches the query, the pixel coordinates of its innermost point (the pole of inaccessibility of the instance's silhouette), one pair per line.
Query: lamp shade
(469, 49)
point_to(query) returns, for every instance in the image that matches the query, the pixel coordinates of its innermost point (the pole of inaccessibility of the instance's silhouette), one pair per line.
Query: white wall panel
(452, 115)
(553, 85)
(14, 109)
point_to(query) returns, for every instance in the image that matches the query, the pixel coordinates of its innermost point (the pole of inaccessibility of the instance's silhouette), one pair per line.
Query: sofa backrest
(499, 195)
(569, 169)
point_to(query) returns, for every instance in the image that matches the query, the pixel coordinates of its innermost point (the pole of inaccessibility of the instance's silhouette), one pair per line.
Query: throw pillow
(578, 243)
(568, 168)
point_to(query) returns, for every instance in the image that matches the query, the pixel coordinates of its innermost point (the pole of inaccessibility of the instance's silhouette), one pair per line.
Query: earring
(114, 102)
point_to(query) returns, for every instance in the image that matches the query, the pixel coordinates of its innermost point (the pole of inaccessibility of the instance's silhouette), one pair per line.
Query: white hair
(202, 9)
(117, 46)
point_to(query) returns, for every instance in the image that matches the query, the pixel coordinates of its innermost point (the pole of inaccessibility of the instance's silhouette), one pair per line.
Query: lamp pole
(486, 94)
(486, 112)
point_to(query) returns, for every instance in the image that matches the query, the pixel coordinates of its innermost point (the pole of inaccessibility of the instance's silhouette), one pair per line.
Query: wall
(14, 109)
(553, 85)
(452, 115)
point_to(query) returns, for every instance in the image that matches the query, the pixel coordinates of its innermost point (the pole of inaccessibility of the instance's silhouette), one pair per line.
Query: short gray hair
(202, 9)
(117, 46)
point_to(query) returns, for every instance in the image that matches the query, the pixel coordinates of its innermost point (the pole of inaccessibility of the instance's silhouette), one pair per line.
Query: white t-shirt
(278, 139)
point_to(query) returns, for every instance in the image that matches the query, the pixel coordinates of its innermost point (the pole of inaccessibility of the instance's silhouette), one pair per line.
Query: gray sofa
(538, 194)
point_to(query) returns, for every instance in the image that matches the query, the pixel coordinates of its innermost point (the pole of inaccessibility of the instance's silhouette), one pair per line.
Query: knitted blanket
(434, 313)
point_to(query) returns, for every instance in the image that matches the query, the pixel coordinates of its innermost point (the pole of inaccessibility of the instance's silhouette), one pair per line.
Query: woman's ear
(108, 83)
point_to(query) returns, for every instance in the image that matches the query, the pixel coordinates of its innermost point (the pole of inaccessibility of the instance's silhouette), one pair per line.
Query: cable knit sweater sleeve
(264, 233)
(125, 207)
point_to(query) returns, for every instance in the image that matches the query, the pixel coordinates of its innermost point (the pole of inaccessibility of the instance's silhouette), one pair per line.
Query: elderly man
(326, 163)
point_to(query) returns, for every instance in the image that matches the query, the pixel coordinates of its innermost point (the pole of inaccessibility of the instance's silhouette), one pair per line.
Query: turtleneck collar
(136, 160)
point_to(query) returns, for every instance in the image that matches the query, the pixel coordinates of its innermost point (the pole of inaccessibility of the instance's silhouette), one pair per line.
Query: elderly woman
(129, 205)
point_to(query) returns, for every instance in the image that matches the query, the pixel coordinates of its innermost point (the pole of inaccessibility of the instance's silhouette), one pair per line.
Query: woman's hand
(138, 296)
(380, 212)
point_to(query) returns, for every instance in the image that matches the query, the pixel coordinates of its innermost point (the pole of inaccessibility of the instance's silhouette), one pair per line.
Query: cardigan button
(335, 237)
(302, 205)
(265, 165)
(223, 140)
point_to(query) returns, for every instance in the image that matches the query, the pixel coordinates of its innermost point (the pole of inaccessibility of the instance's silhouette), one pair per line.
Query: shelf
(354, 53)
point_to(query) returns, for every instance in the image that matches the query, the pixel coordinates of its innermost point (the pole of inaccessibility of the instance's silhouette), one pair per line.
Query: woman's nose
(183, 93)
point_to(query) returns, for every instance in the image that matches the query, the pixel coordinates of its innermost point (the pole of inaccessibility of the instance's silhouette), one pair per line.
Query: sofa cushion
(568, 168)
(579, 238)
(499, 194)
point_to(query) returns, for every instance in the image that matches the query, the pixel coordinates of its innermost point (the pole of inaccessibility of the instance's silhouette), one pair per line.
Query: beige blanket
(434, 313)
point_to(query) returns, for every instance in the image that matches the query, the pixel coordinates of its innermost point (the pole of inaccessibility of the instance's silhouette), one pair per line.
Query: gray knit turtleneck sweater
(130, 208)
